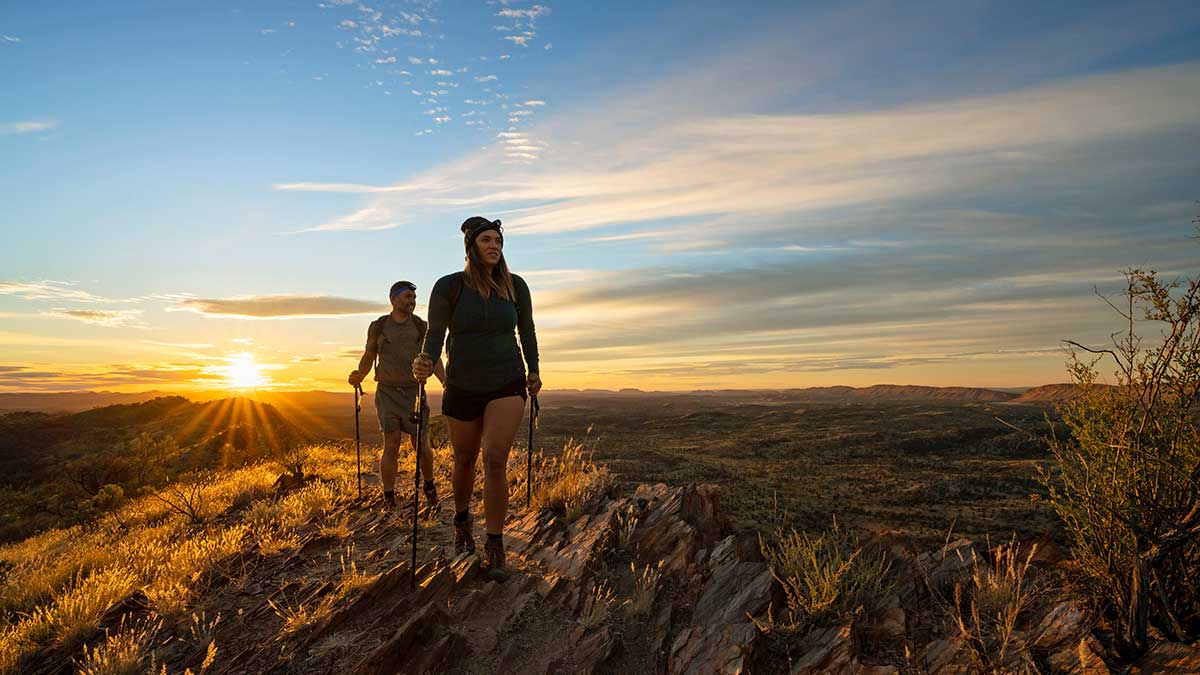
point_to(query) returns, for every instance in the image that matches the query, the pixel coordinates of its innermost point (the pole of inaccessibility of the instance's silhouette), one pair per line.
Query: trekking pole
(533, 414)
(418, 409)
(358, 392)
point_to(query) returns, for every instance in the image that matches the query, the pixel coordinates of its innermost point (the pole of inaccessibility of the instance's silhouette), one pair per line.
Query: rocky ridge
(644, 582)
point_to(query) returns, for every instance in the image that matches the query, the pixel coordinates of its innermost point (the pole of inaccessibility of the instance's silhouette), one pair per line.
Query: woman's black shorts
(468, 405)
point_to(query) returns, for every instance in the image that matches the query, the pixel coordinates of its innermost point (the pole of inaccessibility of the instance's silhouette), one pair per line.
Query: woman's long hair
(498, 282)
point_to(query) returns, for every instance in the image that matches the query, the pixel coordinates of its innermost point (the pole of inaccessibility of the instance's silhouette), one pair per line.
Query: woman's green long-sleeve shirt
(482, 346)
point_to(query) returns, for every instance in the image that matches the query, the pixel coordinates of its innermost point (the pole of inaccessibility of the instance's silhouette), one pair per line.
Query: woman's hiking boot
(464, 541)
(493, 566)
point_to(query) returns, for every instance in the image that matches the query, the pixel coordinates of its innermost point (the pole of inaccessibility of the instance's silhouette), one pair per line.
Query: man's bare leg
(388, 460)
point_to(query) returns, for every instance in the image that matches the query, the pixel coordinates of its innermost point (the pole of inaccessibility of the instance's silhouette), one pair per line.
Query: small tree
(1127, 478)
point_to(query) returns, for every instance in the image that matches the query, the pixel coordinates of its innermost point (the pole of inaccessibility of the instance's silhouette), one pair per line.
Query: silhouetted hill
(52, 466)
(70, 401)
(31, 444)
(1048, 393)
(905, 392)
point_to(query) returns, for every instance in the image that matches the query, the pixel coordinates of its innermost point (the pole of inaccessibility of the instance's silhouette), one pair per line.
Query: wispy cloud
(100, 317)
(28, 127)
(761, 167)
(59, 378)
(47, 290)
(524, 14)
(345, 187)
(281, 307)
(11, 39)
(370, 218)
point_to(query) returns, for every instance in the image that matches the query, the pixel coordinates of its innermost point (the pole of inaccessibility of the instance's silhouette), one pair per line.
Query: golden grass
(122, 653)
(597, 604)
(645, 588)
(989, 605)
(298, 617)
(624, 528)
(564, 483)
(58, 583)
(69, 617)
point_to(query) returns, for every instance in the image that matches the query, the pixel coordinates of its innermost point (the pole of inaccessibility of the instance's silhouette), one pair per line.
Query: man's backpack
(375, 330)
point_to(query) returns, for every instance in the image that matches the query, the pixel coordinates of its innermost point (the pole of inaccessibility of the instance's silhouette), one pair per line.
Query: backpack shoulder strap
(376, 327)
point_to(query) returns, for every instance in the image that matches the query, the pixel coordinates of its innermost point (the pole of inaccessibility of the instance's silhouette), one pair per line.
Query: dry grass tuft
(825, 576)
(297, 618)
(645, 588)
(121, 653)
(564, 483)
(988, 607)
(626, 523)
(597, 605)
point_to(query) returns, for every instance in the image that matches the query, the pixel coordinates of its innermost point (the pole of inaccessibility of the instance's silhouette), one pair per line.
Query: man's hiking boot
(464, 541)
(492, 565)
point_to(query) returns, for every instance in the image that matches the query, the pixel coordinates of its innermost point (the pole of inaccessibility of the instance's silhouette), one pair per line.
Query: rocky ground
(648, 581)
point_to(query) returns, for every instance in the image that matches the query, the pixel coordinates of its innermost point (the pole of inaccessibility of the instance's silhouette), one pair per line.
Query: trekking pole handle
(424, 356)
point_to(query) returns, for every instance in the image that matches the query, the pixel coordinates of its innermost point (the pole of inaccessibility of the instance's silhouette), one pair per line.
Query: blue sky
(699, 194)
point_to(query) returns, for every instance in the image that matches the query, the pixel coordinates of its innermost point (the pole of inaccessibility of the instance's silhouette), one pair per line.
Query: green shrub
(825, 576)
(1125, 481)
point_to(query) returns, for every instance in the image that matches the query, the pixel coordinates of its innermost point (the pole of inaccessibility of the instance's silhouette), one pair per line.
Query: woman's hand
(422, 367)
(534, 383)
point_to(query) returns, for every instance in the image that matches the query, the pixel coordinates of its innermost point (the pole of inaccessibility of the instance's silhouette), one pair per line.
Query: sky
(699, 194)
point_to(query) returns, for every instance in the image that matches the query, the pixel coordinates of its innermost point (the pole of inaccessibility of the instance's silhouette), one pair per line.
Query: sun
(243, 372)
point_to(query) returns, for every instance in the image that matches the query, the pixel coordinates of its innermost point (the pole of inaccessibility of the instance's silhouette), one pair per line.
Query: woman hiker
(486, 381)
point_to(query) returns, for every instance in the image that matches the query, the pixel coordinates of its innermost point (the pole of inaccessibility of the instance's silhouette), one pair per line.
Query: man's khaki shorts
(394, 405)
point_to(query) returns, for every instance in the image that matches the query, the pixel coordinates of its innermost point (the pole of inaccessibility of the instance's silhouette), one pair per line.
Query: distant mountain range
(318, 401)
(33, 444)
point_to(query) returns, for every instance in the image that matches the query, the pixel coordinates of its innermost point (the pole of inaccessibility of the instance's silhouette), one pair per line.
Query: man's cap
(401, 286)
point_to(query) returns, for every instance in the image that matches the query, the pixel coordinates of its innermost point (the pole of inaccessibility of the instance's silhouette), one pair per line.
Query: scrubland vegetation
(56, 586)
(1114, 474)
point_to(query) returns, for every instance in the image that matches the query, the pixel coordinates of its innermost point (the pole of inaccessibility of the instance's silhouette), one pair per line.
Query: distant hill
(70, 401)
(905, 392)
(339, 405)
(1050, 393)
(34, 444)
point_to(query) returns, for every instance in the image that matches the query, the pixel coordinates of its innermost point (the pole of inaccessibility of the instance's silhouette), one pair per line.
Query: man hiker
(393, 341)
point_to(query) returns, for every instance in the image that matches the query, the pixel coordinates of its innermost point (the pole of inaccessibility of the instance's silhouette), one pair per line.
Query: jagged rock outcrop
(650, 581)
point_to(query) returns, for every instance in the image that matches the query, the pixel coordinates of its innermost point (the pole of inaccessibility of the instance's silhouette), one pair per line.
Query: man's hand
(355, 378)
(534, 383)
(422, 367)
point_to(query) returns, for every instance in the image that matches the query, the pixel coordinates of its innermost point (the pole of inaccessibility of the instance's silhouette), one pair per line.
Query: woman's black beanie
(474, 225)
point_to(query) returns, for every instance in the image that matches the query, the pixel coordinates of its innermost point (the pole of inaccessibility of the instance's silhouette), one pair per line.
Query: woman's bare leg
(501, 419)
(465, 438)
